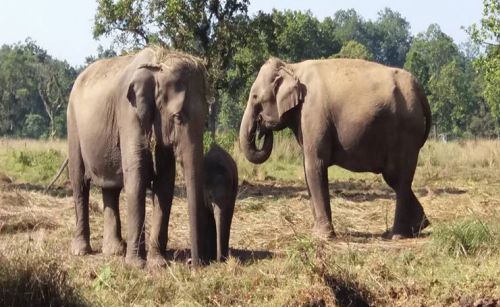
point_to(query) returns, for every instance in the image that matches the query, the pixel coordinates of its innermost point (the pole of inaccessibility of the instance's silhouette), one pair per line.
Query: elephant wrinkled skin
(221, 188)
(356, 114)
(115, 107)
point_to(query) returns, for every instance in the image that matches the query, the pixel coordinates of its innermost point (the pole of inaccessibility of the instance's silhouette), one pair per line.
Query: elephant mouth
(265, 126)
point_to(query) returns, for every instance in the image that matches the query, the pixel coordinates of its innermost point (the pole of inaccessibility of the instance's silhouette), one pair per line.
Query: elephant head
(169, 97)
(275, 93)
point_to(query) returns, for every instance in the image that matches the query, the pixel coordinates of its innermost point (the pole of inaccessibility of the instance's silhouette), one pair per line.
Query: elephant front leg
(163, 193)
(223, 217)
(317, 181)
(112, 242)
(135, 188)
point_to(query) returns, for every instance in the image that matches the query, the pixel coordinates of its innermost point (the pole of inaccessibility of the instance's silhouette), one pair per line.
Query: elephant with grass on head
(115, 107)
(356, 114)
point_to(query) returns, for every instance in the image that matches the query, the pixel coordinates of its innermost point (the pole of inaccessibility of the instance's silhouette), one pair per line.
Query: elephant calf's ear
(289, 94)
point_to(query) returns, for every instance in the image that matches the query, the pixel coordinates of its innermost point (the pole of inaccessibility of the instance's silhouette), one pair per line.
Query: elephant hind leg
(113, 243)
(409, 217)
(80, 244)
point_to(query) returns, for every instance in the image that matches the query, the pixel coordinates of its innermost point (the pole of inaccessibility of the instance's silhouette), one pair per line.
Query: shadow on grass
(347, 293)
(244, 256)
(36, 282)
(54, 191)
(356, 190)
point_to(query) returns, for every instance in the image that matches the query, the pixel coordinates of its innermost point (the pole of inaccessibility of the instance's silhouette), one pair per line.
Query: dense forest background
(462, 82)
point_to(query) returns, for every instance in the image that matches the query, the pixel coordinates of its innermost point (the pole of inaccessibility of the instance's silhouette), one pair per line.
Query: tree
(349, 26)
(55, 79)
(207, 28)
(448, 80)
(18, 96)
(429, 51)
(300, 36)
(354, 50)
(389, 38)
(34, 90)
(487, 33)
(452, 100)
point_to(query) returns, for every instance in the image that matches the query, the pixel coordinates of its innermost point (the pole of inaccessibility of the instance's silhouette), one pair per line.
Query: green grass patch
(31, 165)
(464, 237)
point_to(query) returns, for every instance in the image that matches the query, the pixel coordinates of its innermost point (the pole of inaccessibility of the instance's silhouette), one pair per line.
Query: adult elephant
(360, 115)
(115, 107)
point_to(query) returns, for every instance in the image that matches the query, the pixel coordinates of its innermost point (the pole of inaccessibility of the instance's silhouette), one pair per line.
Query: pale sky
(64, 27)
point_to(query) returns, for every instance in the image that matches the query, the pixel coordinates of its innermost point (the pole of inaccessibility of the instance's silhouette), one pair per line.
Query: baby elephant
(221, 187)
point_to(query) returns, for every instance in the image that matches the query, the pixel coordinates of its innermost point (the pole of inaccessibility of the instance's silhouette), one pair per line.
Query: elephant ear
(141, 95)
(288, 90)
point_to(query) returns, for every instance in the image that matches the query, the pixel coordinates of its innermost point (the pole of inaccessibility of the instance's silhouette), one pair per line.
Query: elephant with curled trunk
(359, 115)
(115, 108)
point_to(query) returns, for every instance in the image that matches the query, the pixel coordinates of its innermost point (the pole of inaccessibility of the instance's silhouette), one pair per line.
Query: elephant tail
(427, 112)
(61, 169)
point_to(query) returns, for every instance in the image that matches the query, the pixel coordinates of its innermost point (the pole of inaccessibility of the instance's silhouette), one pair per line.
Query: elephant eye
(178, 118)
(254, 96)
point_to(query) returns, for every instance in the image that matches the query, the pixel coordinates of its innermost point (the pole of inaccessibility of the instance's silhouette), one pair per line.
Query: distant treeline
(459, 80)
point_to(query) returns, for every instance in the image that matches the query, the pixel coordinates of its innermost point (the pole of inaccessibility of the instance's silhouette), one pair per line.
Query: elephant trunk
(192, 163)
(248, 133)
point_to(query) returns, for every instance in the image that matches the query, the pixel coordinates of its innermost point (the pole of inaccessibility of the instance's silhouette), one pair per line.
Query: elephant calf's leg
(112, 242)
(223, 218)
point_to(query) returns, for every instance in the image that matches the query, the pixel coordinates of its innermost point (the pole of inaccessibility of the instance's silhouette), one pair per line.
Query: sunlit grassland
(275, 260)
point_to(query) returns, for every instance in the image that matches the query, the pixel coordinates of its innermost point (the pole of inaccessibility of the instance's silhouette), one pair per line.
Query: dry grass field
(275, 261)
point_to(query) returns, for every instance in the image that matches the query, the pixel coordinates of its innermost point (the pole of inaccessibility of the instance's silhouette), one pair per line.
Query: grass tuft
(28, 280)
(463, 238)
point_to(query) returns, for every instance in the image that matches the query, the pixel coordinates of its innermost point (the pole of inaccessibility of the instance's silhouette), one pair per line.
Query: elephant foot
(399, 232)
(156, 260)
(80, 247)
(324, 231)
(115, 247)
(135, 261)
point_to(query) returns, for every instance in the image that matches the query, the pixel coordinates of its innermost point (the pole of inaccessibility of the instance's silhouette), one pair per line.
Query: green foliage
(34, 91)
(464, 238)
(448, 79)
(226, 140)
(33, 125)
(104, 278)
(34, 87)
(35, 166)
(354, 50)
(212, 30)
(451, 98)
(487, 34)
